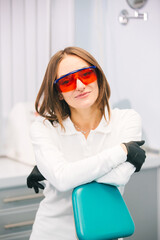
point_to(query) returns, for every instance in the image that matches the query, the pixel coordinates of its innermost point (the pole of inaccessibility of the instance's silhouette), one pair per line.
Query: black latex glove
(34, 178)
(136, 155)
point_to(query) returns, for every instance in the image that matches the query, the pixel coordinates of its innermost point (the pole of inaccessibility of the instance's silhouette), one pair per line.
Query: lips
(82, 95)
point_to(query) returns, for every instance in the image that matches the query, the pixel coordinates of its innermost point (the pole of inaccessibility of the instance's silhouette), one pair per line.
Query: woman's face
(84, 96)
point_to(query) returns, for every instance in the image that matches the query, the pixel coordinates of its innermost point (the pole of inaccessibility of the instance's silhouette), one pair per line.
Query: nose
(80, 86)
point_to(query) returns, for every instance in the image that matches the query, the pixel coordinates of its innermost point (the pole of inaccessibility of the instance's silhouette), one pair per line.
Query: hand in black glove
(136, 155)
(34, 178)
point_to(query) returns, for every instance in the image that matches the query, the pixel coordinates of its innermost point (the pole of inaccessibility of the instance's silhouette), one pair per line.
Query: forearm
(118, 176)
(66, 175)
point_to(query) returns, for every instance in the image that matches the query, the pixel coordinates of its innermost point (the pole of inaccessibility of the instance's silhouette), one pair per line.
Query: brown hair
(48, 103)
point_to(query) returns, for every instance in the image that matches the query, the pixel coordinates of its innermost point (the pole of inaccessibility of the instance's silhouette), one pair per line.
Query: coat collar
(104, 126)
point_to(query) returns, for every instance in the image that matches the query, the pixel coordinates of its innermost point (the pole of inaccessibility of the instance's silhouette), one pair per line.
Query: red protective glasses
(68, 82)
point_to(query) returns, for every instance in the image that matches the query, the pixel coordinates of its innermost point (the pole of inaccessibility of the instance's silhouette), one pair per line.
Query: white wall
(135, 70)
(129, 55)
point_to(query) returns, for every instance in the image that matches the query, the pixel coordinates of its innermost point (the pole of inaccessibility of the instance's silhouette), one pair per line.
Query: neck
(86, 119)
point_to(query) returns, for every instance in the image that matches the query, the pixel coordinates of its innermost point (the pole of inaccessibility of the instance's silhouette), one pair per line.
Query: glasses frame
(56, 81)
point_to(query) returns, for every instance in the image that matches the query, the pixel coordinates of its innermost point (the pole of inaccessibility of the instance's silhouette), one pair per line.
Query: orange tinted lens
(67, 83)
(87, 76)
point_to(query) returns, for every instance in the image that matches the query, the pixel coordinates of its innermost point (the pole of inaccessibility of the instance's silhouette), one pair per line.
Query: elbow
(115, 182)
(123, 181)
(118, 180)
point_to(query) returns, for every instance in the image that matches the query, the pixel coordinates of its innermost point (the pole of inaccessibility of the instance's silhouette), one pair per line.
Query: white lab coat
(66, 159)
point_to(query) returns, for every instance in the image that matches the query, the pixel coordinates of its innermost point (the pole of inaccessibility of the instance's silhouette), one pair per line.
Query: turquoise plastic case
(100, 212)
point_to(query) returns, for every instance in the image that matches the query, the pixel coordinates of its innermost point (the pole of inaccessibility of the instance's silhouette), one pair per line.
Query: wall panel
(18, 53)
(26, 45)
(30, 48)
(6, 93)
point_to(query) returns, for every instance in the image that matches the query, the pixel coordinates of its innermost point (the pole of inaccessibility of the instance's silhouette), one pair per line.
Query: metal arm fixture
(124, 16)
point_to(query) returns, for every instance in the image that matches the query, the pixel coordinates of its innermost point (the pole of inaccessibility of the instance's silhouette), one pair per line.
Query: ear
(60, 96)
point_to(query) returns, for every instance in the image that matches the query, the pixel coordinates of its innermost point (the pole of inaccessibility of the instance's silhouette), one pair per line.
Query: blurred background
(124, 36)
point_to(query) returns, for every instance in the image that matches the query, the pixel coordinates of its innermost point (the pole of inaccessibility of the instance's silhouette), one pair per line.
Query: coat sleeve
(131, 131)
(65, 175)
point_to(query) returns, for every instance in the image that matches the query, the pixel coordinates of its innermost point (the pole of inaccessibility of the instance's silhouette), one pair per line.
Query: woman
(78, 139)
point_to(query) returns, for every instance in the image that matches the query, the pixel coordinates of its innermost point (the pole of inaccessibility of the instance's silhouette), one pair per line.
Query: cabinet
(141, 196)
(18, 206)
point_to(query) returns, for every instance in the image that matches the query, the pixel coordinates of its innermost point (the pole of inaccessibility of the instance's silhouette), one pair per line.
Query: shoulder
(41, 126)
(127, 124)
(40, 123)
(124, 115)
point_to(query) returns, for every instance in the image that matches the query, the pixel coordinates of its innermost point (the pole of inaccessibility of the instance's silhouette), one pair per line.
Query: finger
(140, 143)
(36, 189)
(40, 185)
